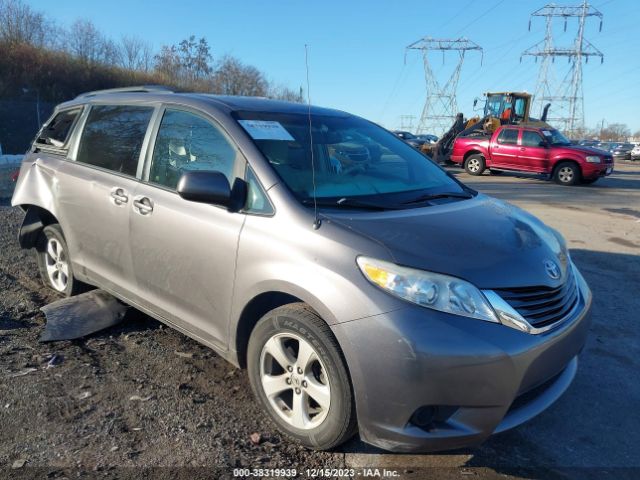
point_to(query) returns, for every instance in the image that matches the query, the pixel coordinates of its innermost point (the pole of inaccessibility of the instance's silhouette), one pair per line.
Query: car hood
(586, 150)
(483, 240)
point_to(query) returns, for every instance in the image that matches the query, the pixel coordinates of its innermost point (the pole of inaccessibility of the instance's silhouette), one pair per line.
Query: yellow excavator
(500, 108)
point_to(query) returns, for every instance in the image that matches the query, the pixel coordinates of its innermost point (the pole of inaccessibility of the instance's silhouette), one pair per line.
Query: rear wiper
(434, 196)
(345, 202)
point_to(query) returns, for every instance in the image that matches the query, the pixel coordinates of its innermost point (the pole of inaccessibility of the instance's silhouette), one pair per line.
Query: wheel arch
(35, 219)
(473, 151)
(253, 311)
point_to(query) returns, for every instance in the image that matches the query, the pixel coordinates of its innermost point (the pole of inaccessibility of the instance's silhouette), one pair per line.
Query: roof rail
(140, 89)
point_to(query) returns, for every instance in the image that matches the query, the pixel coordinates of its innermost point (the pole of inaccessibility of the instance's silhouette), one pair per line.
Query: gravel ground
(141, 395)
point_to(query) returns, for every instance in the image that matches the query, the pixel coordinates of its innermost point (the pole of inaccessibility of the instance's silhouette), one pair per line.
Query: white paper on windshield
(546, 133)
(266, 130)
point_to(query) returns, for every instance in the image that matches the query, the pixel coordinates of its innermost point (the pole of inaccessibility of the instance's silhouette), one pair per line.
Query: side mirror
(205, 186)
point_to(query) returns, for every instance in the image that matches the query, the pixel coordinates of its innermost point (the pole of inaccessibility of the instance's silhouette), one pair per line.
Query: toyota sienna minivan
(363, 287)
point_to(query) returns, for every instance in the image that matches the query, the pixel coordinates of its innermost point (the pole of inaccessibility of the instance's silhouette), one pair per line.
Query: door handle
(522, 149)
(143, 205)
(119, 196)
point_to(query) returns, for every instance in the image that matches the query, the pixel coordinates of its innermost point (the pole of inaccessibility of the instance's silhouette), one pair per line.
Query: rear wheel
(475, 164)
(567, 173)
(54, 263)
(298, 374)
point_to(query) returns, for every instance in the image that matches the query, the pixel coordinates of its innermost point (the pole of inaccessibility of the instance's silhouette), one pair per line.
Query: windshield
(353, 158)
(494, 105)
(554, 137)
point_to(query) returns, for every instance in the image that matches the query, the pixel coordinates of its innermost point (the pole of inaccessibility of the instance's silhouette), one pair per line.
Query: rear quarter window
(112, 137)
(56, 132)
(508, 136)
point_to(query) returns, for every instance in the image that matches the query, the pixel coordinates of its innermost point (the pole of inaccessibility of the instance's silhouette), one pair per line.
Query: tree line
(38, 56)
(612, 132)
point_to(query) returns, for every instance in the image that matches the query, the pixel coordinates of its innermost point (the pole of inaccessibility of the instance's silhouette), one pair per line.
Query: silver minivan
(362, 286)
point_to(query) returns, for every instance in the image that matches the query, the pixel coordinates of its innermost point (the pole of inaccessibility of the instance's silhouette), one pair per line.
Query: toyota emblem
(552, 269)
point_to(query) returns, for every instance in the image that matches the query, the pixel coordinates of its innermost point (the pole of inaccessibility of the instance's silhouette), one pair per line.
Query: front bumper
(478, 377)
(595, 170)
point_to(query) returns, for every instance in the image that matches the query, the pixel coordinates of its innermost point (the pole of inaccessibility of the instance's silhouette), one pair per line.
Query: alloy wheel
(565, 174)
(473, 165)
(295, 381)
(57, 265)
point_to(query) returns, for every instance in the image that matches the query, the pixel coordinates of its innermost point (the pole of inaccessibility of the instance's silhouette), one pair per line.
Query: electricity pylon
(406, 122)
(566, 97)
(440, 107)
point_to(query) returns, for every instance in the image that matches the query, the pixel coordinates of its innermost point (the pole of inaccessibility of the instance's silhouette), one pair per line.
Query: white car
(635, 153)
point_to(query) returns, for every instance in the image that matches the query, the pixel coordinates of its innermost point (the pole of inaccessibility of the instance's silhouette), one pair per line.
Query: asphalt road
(190, 409)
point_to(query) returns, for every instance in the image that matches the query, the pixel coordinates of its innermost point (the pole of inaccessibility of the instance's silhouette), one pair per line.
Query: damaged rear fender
(34, 221)
(33, 193)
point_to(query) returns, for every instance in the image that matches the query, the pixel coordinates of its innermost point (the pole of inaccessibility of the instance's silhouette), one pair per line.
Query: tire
(567, 173)
(325, 423)
(589, 181)
(54, 264)
(475, 164)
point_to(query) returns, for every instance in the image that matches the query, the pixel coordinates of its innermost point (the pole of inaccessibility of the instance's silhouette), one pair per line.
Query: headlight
(593, 159)
(427, 289)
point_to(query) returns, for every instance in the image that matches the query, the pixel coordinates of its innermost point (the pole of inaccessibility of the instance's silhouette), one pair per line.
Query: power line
(463, 9)
(487, 12)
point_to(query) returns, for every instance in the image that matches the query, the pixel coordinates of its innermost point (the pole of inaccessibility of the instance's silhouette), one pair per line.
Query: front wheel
(298, 374)
(475, 164)
(567, 173)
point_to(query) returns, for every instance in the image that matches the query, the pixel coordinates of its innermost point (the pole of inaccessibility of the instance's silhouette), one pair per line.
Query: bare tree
(617, 132)
(232, 77)
(88, 44)
(19, 23)
(195, 57)
(187, 62)
(282, 92)
(135, 53)
(167, 62)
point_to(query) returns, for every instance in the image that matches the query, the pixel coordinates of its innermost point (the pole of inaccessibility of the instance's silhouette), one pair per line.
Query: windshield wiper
(346, 202)
(435, 196)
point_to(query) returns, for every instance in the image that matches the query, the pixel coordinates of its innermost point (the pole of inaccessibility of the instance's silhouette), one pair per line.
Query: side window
(56, 132)
(257, 200)
(508, 136)
(112, 137)
(530, 139)
(188, 142)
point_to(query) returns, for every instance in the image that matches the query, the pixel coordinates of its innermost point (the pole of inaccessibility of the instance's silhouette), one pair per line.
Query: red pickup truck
(534, 150)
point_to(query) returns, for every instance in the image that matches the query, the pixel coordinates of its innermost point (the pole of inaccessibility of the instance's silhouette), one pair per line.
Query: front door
(533, 155)
(96, 193)
(184, 252)
(504, 151)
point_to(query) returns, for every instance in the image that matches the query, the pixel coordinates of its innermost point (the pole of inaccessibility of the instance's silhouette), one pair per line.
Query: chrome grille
(541, 306)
